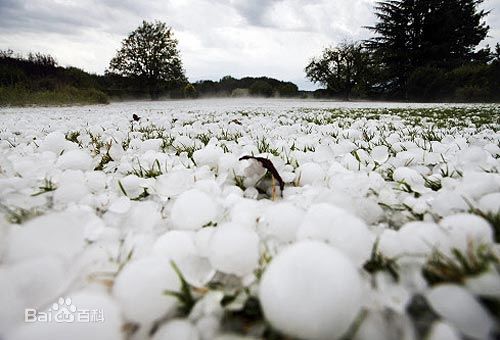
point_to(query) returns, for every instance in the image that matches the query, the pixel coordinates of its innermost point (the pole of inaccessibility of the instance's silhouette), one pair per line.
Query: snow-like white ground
(387, 227)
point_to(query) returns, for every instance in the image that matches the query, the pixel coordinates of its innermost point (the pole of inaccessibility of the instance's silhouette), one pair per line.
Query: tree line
(423, 50)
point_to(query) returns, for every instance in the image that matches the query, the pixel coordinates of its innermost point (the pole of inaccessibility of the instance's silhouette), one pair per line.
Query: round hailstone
(465, 228)
(281, 221)
(422, 238)
(442, 331)
(410, 177)
(74, 160)
(490, 203)
(310, 173)
(120, 205)
(177, 329)
(192, 210)
(59, 234)
(346, 232)
(311, 291)
(56, 142)
(132, 185)
(234, 249)
(175, 244)
(140, 287)
(209, 155)
(458, 306)
(28, 284)
(174, 183)
(380, 153)
(96, 181)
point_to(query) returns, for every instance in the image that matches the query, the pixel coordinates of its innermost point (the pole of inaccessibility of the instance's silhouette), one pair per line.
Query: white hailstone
(410, 177)
(151, 145)
(493, 149)
(132, 185)
(178, 329)
(310, 290)
(476, 184)
(139, 288)
(74, 160)
(422, 238)
(459, 307)
(280, 221)
(120, 205)
(449, 202)
(71, 188)
(202, 240)
(465, 228)
(192, 210)
(234, 249)
(183, 142)
(143, 216)
(442, 331)
(174, 245)
(472, 157)
(389, 244)
(485, 284)
(59, 234)
(96, 181)
(116, 151)
(490, 203)
(28, 284)
(56, 142)
(245, 211)
(110, 328)
(310, 174)
(344, 231)
(209, 155)
(174, 183)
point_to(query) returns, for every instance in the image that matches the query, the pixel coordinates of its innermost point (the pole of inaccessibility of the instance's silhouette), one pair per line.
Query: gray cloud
(216, 37)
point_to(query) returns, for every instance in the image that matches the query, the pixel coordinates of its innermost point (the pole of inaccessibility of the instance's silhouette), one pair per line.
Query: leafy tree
(150, 54)
(341, 69)
(420, 33)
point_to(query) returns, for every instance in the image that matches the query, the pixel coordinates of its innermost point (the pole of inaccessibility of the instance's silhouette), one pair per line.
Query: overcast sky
(216, 37)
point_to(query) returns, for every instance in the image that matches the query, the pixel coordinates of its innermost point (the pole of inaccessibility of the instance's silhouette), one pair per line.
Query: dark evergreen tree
(425, 33)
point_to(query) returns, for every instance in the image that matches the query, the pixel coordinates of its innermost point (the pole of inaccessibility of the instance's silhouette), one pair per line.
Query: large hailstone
(280, 221)
(465, 228)
(234, 249)
(75, 160)
(458, 306)
(346, 232)
(192, 210)
(310, 174)
(311, 290)
(140, 287)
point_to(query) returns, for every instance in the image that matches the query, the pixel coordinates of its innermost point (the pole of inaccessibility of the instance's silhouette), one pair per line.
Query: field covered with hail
(387, 226)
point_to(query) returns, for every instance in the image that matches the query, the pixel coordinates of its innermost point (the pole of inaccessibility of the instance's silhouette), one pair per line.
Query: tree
(149, 54)
(341, 69)
(425, 33)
